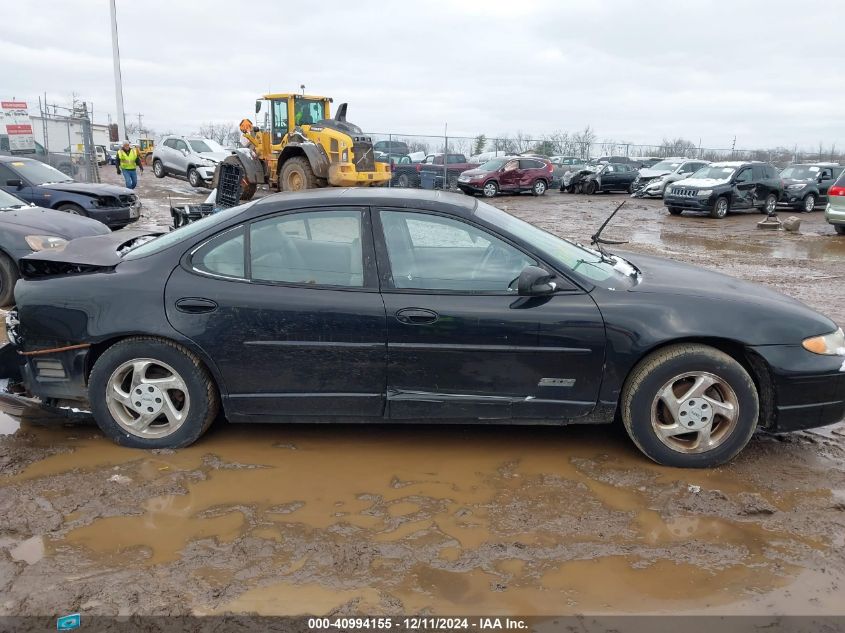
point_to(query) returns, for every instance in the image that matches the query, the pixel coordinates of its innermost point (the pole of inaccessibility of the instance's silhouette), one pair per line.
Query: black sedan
(407, 305)
(26, 229)
(47, 187)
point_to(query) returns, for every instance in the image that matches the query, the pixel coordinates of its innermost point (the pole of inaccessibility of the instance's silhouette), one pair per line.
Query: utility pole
(733, 147)
(118, 81)
(140, 129)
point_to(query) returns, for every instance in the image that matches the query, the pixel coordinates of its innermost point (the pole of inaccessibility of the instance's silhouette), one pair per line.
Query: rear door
(288, 309)
(826, 179)
(462, 343)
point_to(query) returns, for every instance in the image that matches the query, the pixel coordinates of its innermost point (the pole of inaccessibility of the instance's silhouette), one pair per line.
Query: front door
(509, 178)
(289, 313)
(463, 344)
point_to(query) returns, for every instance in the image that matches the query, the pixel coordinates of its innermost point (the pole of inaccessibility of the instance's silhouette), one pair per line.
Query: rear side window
(525, 163)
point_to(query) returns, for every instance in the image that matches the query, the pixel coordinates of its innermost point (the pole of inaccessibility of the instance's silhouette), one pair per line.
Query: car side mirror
(15, 182)
(534, 281)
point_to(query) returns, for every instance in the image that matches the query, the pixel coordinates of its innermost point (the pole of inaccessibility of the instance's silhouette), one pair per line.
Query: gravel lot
(374, 519)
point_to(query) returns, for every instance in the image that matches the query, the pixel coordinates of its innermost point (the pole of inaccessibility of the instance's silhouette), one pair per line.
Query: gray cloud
(768, 72)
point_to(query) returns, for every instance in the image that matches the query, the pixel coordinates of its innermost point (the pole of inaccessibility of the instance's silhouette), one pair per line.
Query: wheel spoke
(701, 384)
(167, 383)
(671, 402)
(703, 439)
(173, 415)
(725, 409)
(143, 421)
(670, 430)
(139, 371)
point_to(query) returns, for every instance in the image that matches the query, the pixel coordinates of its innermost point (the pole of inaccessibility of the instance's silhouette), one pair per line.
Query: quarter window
(222, 255)
(318, 248)
(430, 252)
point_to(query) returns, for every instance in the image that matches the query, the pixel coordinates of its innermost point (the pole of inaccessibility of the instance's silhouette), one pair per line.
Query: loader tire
(297, 175)
(248, 190)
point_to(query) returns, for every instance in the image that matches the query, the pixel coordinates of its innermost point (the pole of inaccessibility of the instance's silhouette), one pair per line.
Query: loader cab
(283, 112)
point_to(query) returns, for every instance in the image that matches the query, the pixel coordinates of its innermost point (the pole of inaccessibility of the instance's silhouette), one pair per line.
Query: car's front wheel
(490, 189)
(675, 210)
(8, 276)
(194, 178)
(690, 406)
(152, 393)
(809, 203)
(839, 228)
(720, 208)
(158, 168)
(589, 187)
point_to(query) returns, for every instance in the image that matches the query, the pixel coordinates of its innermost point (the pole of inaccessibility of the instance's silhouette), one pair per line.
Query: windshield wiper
(597, 240)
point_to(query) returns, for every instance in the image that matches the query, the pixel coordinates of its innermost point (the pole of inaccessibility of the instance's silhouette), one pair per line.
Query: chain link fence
(66, 142)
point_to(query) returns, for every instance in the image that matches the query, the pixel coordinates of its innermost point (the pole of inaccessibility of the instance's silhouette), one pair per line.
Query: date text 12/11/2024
(417, 624)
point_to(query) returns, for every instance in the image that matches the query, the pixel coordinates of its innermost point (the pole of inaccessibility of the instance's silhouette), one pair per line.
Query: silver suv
(652, 181)
(191, 157)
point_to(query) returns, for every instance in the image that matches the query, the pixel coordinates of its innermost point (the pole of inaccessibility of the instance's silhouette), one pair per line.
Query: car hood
(89, 188)
(215, 156)
(475, 172)
(702, 182)
(38, 221)
(98, 250)
(670, 277)
(653, 173)
(797, 181)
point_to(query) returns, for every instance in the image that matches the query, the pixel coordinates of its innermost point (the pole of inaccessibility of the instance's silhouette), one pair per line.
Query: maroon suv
(509, 173)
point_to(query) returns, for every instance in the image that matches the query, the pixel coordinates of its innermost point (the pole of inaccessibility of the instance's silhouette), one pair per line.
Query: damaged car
(47, 187)
(651, 182)
(193, 158)
(806, 186)
(600, 177)
(398, 305)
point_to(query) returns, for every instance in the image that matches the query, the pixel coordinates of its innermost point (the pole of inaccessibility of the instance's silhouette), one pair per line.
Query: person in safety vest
(128, 160)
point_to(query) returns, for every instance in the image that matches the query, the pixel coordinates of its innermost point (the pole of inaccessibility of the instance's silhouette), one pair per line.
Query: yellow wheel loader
(297, 145)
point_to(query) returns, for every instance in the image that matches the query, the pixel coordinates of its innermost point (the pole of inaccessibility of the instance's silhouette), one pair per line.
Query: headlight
(704, 193)
(797, 186)
(832, 344)
(344, 156)
(45, 242)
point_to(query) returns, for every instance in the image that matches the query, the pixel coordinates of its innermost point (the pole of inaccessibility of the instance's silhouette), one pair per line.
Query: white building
(57, 133)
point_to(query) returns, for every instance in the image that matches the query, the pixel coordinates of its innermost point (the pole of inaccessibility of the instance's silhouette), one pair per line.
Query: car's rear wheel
(403, 181)
(690, 406)
(69, 207)
(152, 393)
(589, 187)
(158, 168)
(539, 187)
(839, 228)
(490, 189)
(9, 274)
(720, 208)
(770, 205)
(675, 210)
(194, 178)
(809, 203)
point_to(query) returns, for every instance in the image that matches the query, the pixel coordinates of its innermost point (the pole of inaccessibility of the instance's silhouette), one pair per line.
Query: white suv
(194, 158)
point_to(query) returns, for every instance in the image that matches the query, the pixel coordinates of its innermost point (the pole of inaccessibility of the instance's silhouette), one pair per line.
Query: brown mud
(441, 519)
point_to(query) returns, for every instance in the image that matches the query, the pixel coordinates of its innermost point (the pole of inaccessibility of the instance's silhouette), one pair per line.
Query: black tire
(9, 274)
(539, 188)
(204, 400)
(403, 181)
(839, 228)
(158, 169)
(490, 189)
(73, 209)
(720, 208)
(248, 191)
(589, 187)
(194, 178)
(770, 204)
(296, 175)
(675, 210)
(631, 188)
(656, 370)
(808, 205)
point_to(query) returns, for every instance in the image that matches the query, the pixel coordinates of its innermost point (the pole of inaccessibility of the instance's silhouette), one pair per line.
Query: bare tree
(226, 134)
(584, 141)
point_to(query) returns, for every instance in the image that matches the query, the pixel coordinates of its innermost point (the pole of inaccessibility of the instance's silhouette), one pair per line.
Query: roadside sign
(15, 116)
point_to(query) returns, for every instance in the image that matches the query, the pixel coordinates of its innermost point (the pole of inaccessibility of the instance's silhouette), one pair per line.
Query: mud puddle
(392, 519)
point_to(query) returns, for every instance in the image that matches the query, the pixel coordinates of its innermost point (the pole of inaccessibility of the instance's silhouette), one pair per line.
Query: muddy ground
(385, 519)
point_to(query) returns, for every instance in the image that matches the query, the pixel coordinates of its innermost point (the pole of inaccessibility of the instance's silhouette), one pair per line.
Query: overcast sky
(771, 73)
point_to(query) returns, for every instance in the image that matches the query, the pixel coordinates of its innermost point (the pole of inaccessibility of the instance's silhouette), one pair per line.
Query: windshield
(665, 165)
(800, 172)
(716, 173)
(206, 146)
(577, 258)
(38, 173)
(493, 165)
(184, 232)
(308, 111)
(8, 201)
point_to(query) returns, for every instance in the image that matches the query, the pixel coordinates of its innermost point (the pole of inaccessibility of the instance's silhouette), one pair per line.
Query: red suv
(509, 173)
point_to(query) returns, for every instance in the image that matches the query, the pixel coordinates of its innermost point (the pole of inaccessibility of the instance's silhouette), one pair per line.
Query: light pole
(118, 82)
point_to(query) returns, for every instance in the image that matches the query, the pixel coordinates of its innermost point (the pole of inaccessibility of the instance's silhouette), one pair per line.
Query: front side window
(429, 252)
(317, 248)
(744, 175)
(182, 146)
(37, 173)
(280, 120)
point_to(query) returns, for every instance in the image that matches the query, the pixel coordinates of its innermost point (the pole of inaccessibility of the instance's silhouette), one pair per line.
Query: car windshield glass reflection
(8, 201)
(493, 165)
(717, 173)
(38, 173)
(585, 261)
(800, 172)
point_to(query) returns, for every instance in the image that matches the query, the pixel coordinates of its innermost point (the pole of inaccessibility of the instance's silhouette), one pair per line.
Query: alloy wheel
(147, 398)
(721, 207)
(771, 204)
(490, 189)
(809, 203)
(539, 188)
(694, 412)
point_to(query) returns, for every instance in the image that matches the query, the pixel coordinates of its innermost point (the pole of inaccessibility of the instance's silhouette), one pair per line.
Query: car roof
(11, 159)
(815, 165)
(737, 163)
(455, 203)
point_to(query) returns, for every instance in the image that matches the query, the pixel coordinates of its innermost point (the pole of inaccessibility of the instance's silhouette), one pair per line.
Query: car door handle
(195, 305)
(416, 316)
